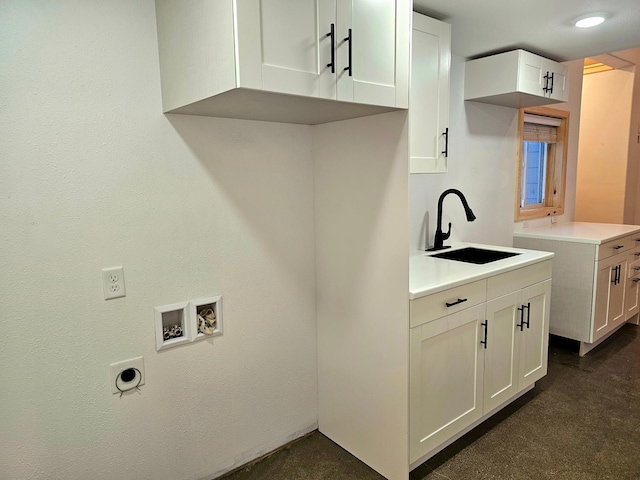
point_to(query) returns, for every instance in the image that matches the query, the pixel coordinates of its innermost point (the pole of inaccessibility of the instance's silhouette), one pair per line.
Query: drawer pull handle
(485, 324)
(637, 269)
(636, 280)
(618, 247)
(460, 300)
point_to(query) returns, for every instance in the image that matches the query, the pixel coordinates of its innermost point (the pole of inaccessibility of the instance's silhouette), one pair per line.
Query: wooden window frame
(556, 167)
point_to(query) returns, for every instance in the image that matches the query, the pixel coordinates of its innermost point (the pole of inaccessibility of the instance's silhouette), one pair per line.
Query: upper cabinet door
(372, 64)
(530, 74)
(557, 86)
(296, 47)
(429, 95)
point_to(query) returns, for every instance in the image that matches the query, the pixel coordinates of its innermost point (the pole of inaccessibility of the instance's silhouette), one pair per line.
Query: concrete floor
(582, 422)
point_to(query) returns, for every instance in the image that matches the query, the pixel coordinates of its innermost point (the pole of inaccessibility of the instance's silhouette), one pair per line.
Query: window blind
(538, 128)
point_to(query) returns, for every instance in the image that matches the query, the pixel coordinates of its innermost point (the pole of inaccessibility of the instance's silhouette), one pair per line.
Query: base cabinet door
(532, 333)
(616, 301)
(501, 359)
(446, 369)
(610, 292)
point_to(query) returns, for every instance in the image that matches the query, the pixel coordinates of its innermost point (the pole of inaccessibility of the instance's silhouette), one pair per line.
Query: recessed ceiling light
(590, 20)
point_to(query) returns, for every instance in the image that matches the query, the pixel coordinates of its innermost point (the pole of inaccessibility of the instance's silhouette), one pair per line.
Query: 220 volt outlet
(113, 282)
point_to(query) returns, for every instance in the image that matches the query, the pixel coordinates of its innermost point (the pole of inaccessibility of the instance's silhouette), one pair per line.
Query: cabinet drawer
(426, 309)
(605, 250)
(517, 279)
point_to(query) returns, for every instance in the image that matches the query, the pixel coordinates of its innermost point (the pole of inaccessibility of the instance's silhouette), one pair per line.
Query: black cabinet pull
(636, 269)
(332, 34)
(485, 324)
(546, 88)
(615, 275)
(521, 310)
(521, 324)
(552, 75)
(636, 280)
(446, 143)
(460, 300)
(618, 247)
(349, 39)
(619, 272)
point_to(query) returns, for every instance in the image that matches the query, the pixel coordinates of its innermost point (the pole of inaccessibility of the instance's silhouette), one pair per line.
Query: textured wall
(92, 175)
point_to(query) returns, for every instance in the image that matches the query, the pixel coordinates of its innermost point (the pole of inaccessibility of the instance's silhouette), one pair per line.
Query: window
(542, 162)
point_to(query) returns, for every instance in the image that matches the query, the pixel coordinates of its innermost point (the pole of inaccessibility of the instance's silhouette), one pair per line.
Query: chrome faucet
(440, 237)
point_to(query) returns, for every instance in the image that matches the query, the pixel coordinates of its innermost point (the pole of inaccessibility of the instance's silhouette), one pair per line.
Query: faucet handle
(448, 234)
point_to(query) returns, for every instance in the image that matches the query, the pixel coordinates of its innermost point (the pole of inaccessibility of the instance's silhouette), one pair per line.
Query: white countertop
(429, 275)
(580, 232)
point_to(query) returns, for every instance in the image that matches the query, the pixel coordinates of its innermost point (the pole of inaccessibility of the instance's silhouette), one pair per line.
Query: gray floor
(582, 421)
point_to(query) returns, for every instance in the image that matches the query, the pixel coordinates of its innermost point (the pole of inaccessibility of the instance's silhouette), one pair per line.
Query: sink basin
(474, 255)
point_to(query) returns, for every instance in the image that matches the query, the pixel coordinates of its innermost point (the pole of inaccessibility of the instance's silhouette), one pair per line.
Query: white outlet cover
(113, 283)
(116, 369)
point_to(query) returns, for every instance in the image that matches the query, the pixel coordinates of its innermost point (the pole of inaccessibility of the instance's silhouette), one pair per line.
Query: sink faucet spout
(440, 236)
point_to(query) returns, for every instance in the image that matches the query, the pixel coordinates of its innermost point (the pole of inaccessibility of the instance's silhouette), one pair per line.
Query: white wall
(362, 286)
(604, 146)
(483, 143)
(93, 175)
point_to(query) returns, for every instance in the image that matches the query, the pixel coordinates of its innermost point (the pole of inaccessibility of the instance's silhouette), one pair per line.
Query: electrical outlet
(113, 282)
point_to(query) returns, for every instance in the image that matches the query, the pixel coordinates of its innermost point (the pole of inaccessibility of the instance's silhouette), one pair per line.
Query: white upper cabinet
(516, 79)
(282, 60)
(291, 50)
(429, 95)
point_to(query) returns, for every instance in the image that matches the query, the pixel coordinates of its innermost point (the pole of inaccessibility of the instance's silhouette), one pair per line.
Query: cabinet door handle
(618, 247)
(546, 88)
(350, 40)
(552, 75)
(636, 280)
(637, 254)
(332, 34)
(521, 324)
(460, 300)
(485, 324)
(615, 275)
(446, 143)
(619, 272)
(637, 269)
(521, 310)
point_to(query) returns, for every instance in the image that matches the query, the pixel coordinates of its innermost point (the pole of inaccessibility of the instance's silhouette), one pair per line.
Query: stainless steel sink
(474, 255)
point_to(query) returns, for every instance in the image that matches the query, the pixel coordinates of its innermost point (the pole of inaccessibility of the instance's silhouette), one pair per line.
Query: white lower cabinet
(466, 365)
(446, 369)
(595, 287)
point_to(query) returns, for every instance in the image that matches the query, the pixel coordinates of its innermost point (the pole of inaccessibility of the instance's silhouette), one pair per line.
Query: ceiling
(539, 26)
